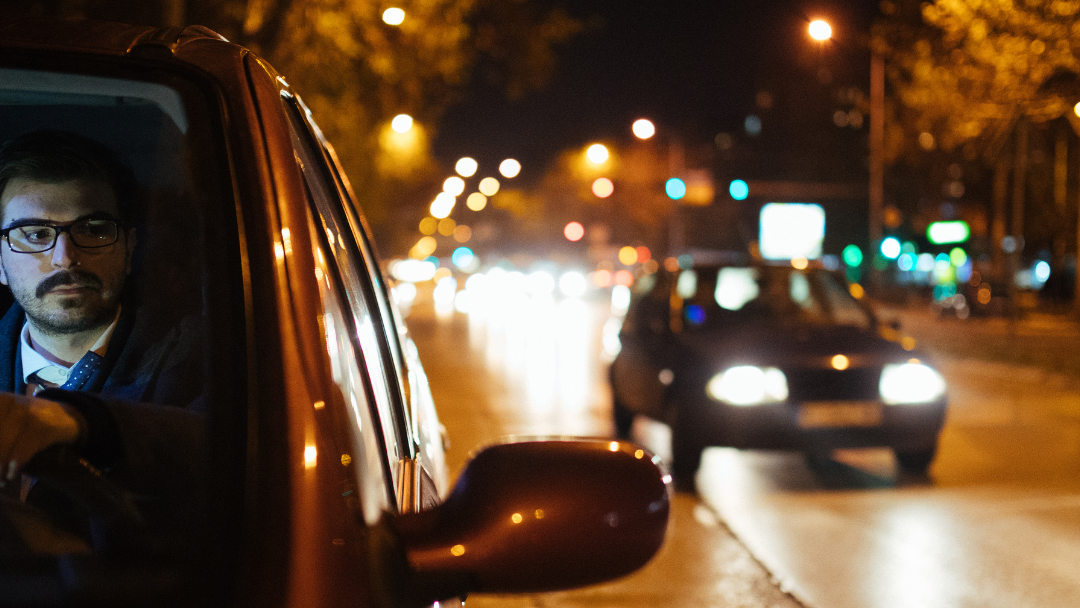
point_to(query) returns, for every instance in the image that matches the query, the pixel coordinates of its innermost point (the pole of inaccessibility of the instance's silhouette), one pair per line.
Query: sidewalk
(1045, 341)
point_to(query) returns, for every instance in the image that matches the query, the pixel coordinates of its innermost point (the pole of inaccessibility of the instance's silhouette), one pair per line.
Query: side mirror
(536, 516)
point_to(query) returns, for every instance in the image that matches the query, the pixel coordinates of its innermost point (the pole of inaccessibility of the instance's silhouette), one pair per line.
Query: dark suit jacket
(144, 407)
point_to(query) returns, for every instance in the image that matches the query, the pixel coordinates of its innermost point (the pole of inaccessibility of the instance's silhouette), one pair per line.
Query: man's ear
(129, 245)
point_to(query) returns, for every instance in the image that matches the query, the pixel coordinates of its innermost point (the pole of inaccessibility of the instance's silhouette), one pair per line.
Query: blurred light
(404, 293)
(541, 283)
(651, 266)
(603, 187)
(1008, 244)
(856, 291)
(446, 226)
(1076, 109)
(597, 153)
(1042, 271)
(620, 299)
(926, 140)
(675, 188)
(624, 277)
(444, 291)
(791, 230)
(454, 186)
(602, 278)
(799, 263)
(462, 233)
(906, 261)
(940, 233)
(572, 284)
(476, 201)
(840, 362)
(466, 167)
(685, 261)
(852, 255)
(393, 16)
(412, 271)
(628, 255)
(910, 383)
(958, 256)
(310, 456)
(671, 264)
(463, 301)
(442, 205)
(509, 168)
(908, 247)
(890, 248)
(574, 231)
(739, 190)
(401, 123)
(643, 254)
(735, 287)
(752, 125)
(428, 225)
(748, 385)
(819, 30)
(925, 263)
(425, 246)
(984, 294)
(643, 129)
(488, 186)
(462, 257)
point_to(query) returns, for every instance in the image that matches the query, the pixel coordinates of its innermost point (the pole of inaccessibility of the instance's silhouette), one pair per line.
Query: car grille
(831, 385)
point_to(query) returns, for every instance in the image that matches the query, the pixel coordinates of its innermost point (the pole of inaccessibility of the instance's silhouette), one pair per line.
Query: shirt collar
(34, 362)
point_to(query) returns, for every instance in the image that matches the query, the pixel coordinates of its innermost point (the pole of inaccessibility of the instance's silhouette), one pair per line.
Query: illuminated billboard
(791, 230)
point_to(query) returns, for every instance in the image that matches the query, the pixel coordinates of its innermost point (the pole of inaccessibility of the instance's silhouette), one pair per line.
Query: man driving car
(81, 364)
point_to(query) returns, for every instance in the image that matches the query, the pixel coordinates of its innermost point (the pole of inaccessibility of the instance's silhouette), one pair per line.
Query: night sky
(692, 67)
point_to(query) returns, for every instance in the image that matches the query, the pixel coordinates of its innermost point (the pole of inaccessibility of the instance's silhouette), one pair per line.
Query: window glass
(143, 151)
(359, 293)
(735, 287)
(845, 309)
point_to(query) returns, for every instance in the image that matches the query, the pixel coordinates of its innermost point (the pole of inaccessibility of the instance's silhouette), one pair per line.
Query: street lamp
(820, 30)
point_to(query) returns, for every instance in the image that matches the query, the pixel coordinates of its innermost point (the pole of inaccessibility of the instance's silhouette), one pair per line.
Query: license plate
(834, 414)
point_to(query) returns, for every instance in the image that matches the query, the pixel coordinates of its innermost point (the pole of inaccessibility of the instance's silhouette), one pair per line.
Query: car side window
(845, 310)
(358, 293)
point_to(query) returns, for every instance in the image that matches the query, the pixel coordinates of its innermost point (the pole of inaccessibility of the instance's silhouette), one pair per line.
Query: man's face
(67, 289)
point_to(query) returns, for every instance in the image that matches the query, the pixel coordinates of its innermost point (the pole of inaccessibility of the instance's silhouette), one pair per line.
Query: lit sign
(940, 233)
(791, 230)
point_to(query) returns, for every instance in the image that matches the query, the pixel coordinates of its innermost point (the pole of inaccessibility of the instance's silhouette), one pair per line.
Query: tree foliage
(965, 70)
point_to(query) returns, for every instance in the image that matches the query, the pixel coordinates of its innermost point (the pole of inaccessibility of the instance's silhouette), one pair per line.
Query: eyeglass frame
(62, 228)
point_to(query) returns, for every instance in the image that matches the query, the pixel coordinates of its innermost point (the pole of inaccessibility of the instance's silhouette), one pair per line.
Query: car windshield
(739, 294)
(150, 280)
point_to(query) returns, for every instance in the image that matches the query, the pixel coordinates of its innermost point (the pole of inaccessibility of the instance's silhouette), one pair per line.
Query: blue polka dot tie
(83, 371)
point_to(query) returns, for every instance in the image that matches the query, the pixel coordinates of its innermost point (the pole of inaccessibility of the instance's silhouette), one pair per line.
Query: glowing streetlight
(597, 154)
(393, 16)
(466, 167)
(603, 187)
(820, 31)
(509, 168)
(454, 185)
(476, 201)
(401, 123)
(643, 129)
(488, 186)
(1076, 109)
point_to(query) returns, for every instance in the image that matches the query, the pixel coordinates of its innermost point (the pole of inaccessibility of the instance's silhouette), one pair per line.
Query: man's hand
(28, 425)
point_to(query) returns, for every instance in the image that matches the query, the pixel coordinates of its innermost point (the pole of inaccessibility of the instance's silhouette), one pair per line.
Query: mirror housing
(533, 516)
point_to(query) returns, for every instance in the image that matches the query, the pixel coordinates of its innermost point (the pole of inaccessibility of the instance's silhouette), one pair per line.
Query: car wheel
(623, 419)
(686, 449)
(916, 462)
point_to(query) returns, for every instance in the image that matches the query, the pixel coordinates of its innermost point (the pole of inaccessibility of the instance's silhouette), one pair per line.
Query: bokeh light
(428, 225)
(890, 248)
(602, 278)
(738, 189)
(643, 254)
(446, 226)
(509, 168)
(799, 263)
(628, 255)
(476, 201)
(572, 284)
(597, 154)
(442, 205)
(819, 30)
(488, 186)
(462, 257)
(643, 128)
(454, 186)
(466, 167)
(624, 278)
(401, 123)
(393, 16)
(852, 255)
(675, 188)
(462, 233)
(424, 247)
(603, 187)
(574, 231)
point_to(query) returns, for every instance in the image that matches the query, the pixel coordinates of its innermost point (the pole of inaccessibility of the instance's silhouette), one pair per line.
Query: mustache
(78, 278)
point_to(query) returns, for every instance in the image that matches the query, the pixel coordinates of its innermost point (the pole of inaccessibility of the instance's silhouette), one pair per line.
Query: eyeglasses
(85, 234)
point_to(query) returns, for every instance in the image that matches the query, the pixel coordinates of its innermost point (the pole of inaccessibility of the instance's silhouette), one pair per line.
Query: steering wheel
(112, 518)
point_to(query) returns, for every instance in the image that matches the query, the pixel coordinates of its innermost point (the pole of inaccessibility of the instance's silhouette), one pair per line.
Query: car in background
(321, 479)
(749, 354)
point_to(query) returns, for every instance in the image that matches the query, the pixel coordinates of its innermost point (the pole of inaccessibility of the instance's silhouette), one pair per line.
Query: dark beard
(98, 311)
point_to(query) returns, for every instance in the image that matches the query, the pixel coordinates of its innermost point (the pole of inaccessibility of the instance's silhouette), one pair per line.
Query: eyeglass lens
(87, 234)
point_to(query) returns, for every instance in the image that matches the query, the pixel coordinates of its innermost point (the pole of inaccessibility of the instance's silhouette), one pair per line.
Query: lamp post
(821, 31)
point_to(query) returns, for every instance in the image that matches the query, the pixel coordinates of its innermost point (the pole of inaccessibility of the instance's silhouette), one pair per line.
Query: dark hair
(53, 156)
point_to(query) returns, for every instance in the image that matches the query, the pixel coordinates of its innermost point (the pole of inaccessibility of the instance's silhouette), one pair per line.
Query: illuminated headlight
(748, 385)
(910, 383)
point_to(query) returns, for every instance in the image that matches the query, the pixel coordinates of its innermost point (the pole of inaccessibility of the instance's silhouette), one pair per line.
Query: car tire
(915, 462)
(686, 449)
(623, 419)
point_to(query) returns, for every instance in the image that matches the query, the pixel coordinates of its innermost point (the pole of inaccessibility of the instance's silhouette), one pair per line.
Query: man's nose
(65, 253)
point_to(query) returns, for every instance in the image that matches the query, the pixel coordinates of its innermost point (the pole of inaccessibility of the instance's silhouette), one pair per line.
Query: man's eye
(37, 234)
